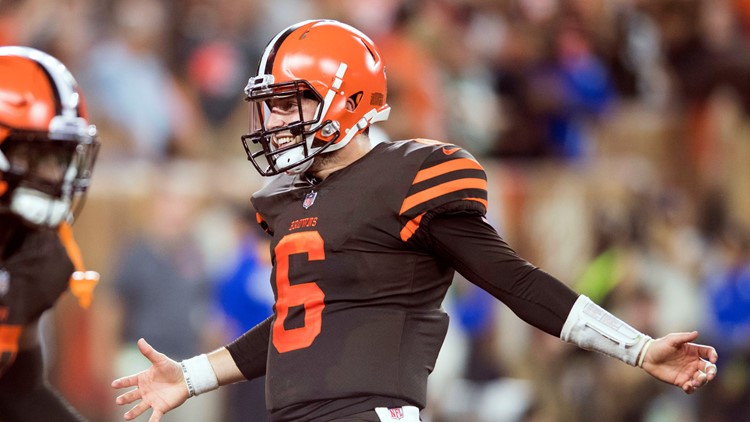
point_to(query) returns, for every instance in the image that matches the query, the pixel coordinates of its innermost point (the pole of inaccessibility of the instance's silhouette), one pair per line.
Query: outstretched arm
(473, 248)
(163, 387)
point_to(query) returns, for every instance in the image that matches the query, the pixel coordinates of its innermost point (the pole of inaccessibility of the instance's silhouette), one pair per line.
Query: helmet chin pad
(292, 156)
(38, 208)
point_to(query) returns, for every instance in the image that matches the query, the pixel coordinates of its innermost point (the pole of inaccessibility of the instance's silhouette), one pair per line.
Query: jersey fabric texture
(25, 396)
(34, 272)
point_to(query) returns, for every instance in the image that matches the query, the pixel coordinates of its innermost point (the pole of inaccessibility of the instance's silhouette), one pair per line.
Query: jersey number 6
(306, 294)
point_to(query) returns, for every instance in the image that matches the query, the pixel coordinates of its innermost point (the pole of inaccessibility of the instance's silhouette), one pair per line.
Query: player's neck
(337, 160)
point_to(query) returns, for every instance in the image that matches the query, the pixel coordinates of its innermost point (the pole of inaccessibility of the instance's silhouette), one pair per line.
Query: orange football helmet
(47, 146)
(330, 62)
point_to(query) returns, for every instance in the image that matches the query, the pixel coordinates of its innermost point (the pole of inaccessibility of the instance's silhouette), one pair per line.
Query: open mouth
(285, 141)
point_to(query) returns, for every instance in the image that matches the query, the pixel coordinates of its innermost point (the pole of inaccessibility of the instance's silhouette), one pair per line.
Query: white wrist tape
(593, 328)
(199, 375)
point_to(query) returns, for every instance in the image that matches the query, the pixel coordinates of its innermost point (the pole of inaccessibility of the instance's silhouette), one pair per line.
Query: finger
(136, 411)
(707, 352)
(678, 339)
(699, 379)
(128, 397)
(711, 370)
(155, 416)
(149, 352)
(688, 388)
(129, 381)
(694, 382)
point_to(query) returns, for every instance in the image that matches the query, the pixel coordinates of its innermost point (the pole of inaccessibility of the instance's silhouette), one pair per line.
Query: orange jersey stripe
(446, 167)
(411, 227)
(442, 189)
(9, 335)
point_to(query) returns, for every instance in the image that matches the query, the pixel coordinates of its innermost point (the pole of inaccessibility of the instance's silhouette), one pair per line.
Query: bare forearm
(224, 367)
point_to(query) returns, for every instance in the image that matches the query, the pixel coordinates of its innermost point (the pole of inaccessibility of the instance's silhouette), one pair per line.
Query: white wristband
(199, 375)
(593, 328)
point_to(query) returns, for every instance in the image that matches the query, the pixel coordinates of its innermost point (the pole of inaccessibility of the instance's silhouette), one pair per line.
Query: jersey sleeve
(449, 180)
(250, 350)
(473, 248)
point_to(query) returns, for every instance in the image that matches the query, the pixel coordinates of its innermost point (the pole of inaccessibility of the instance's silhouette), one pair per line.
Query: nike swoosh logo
(447, 151)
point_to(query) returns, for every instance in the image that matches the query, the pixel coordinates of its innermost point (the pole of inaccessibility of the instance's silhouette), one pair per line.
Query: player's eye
(283, 105)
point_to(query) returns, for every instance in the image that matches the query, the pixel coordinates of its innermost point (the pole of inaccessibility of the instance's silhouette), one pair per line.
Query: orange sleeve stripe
(259, 218)
(9, 335)
(442, 189)
(411, 227)
(446, 167)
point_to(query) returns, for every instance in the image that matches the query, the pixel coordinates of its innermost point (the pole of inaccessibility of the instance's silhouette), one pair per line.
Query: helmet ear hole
(353, 101)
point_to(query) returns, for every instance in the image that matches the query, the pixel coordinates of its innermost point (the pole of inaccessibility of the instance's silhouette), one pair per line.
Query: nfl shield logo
(397, 413)
(309, 199)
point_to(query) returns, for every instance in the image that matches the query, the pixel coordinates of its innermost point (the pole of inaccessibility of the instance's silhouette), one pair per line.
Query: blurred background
(615, 134)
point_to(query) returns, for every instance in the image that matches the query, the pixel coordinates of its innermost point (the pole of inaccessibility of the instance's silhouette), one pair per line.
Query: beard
(323, 161)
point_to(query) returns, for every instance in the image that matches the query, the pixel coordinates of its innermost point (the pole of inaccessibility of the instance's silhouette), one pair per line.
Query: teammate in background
(47, 152)
(365, 242)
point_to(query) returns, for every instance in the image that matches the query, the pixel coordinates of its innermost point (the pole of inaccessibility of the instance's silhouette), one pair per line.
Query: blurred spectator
(726, 274)
(564, 94)
(164, 261)
(147, 112)
(635, 57)
(245, 297)
(221, 42)
(414, 81)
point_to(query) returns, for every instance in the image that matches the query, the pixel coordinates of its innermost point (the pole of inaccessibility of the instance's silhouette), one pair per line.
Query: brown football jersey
(358, 298)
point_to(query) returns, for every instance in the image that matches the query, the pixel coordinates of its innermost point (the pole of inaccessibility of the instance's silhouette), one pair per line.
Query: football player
(365, 242)
(47, 151)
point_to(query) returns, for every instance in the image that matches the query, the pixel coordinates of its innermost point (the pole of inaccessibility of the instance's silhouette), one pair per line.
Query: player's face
(284, 111)
(43, 164)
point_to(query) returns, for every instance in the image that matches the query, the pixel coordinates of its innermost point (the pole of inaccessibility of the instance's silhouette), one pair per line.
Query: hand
(160, 387)
(674, 360)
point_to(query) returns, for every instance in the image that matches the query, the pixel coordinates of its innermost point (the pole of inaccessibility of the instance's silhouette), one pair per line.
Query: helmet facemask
(312, 137)
(47, 174)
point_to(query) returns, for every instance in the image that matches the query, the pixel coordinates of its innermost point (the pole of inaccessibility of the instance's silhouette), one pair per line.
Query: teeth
(284, 141)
